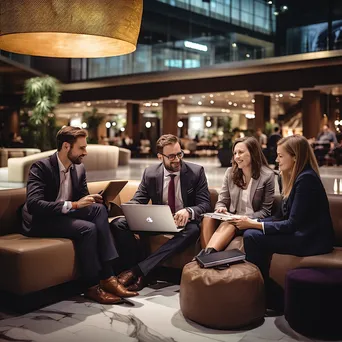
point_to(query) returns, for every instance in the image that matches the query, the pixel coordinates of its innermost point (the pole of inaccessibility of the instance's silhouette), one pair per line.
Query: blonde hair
(297, 146)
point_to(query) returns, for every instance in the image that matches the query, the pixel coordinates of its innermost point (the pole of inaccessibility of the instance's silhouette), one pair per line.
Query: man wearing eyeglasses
(181, 185)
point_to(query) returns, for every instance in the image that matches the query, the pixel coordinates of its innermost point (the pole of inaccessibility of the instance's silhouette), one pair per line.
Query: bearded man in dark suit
(58, 205)
(191, 199)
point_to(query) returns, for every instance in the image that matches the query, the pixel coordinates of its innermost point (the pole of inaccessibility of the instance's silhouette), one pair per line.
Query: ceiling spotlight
(235, 104)
(232, 93)
(211, 95)
(212, 102)
(253, 101)
(250, 116)
(276, 13)
(270, 2)
(248, 55)
(122, 129)
(180, 124)
(113, 123)
(234, 45)
(230, 103)
(199, 103)
(108, 124)
(284, 8)
(148, 124)
(84, 125)
(208, 124)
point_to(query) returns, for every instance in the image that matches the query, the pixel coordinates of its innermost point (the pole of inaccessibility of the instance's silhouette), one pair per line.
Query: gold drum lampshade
(70, 28)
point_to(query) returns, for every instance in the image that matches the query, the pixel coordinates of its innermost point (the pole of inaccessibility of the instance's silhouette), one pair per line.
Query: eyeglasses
(172, 157)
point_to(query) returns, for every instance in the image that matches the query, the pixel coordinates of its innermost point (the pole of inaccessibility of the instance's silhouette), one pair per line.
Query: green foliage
(41, 94)
(227, 134)
(93, 119)
(269, 127)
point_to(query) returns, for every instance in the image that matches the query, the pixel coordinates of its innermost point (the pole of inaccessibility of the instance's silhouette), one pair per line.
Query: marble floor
(153, 316)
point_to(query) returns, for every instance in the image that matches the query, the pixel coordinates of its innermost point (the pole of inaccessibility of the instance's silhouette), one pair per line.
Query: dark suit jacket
(194, 187)
(43, 187)
(306, 216)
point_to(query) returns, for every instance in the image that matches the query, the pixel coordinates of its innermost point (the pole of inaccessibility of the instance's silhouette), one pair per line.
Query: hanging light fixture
(70, 28)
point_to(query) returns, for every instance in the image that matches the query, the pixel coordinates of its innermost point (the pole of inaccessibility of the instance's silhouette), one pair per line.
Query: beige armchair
(101, 158)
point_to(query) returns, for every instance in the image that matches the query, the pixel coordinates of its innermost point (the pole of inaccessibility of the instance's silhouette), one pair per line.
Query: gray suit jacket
(194, 188)
(262, 193)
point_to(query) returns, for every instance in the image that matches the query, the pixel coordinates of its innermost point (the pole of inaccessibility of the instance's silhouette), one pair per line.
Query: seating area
(19, 255)
(6, 153)
(32, 268)
(101, 162)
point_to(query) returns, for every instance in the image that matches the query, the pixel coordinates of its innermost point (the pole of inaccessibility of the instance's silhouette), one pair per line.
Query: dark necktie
(171, 198)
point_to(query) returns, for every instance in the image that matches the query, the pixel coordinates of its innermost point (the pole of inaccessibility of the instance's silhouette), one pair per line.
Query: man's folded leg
(135, 278)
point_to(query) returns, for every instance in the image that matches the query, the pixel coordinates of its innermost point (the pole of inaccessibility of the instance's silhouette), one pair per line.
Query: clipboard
(222, 217)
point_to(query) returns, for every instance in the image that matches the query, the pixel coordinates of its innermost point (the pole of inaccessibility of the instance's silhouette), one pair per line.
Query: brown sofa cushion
(282, 263)
(33, 264)
(16, 154)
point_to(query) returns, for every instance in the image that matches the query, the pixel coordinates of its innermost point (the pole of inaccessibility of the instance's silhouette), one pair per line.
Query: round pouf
(222, 299)
(313, 301)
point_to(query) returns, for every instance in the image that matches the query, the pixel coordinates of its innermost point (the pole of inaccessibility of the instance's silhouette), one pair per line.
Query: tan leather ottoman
(222, 299)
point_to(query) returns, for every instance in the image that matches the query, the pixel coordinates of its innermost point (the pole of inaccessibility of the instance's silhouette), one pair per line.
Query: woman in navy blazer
(305, 226)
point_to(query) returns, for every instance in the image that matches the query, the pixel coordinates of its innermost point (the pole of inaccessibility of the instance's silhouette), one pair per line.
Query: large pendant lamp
(70, 28)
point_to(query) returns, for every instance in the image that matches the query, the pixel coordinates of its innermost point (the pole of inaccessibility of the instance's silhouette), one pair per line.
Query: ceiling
(208, 104)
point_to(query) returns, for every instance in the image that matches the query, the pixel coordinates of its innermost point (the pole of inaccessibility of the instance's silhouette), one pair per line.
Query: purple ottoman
(313, 302)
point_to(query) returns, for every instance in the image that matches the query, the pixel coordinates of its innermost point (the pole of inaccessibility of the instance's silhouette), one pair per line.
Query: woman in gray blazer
(248, 189)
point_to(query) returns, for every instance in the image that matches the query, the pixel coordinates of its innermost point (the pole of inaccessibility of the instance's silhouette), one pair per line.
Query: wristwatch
(189, 211)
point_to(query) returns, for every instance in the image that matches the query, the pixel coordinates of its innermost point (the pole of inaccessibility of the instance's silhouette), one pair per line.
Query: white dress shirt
(245, 206)
(178, 191)
(65, 187)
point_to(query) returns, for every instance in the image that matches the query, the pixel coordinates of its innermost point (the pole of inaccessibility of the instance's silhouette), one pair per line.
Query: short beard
(170, 169)
(74, 160)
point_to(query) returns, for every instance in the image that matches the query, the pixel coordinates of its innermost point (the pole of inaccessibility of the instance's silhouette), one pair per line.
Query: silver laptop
(150, 218)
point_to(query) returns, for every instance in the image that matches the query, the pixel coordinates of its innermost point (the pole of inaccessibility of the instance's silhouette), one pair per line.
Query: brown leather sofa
(28, 265)
(280, 263)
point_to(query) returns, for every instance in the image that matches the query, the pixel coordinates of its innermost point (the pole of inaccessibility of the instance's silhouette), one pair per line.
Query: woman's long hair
(297, 146)
(257, 161)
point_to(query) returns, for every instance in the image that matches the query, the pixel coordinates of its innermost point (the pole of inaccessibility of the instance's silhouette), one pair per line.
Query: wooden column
(262, 111)
(170, 117)
(133, 122)
(312, 114)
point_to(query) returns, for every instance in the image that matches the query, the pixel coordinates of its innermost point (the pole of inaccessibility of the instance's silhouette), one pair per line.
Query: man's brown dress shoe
(112, 286)
(96, 294)
(127, 278)
(138, 285)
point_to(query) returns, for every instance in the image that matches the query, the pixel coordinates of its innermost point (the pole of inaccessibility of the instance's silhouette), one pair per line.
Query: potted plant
(93, 120)
(225, 153)
(42, 94)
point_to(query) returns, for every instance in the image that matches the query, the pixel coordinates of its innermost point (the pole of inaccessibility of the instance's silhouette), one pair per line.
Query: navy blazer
(194, 187)
(43, 187)
(306, 216)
